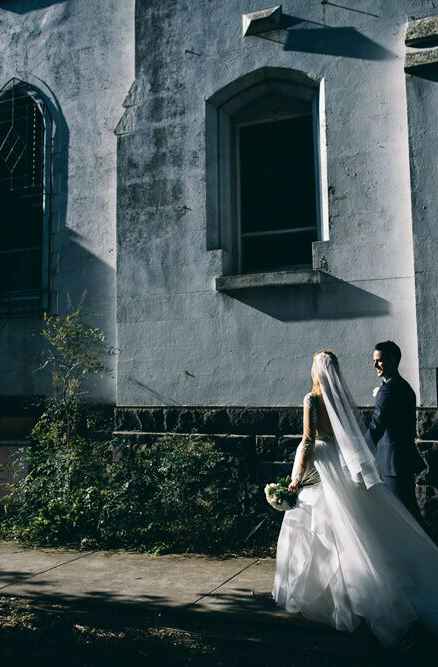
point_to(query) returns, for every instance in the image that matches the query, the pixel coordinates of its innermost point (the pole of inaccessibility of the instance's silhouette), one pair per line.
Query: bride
(349, 550)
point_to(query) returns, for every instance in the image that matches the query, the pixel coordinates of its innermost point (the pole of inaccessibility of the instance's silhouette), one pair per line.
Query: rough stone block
(276, 448)
(427, 486)
(422, 32)
(215, 420)
(253, 420)
(421, 58)
(139, 419)
(290, 420)
(427, 423)
(266, 447)
(181, 420)
(287, 447)
(270, 471)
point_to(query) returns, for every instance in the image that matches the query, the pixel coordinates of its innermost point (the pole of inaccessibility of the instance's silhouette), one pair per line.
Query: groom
(392, 428)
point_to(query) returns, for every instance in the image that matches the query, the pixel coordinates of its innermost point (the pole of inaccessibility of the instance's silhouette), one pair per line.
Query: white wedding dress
(350, 551)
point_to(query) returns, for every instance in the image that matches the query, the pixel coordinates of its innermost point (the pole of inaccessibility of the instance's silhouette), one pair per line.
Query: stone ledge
(145, 437)
(260, 421)
(422, 32)
(421, 58)
(269, 279)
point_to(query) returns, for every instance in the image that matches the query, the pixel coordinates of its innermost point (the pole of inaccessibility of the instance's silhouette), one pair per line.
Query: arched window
(23, 261)
(263, 177)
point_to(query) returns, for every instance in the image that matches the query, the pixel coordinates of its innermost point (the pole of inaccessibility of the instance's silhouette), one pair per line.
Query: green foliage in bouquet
(278, 494)
(282, 492)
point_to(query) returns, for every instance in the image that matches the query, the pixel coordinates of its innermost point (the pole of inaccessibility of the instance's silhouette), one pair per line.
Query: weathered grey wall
(180, 341)
(80, 54)
(422, 87)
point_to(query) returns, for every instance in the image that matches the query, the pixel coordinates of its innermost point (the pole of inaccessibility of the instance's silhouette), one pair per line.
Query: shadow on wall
(24, 6)
(73, 271)
(21, 344)
(334, 299)
(87, 281)
(346, 42)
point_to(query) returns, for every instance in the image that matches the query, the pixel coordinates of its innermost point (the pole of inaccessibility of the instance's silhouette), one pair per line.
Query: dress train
(347, 553)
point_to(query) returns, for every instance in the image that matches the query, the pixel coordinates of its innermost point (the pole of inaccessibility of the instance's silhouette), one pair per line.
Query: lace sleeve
(305, 449)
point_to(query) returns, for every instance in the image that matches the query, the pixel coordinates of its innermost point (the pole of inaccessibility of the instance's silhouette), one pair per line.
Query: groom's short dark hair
(389, 348)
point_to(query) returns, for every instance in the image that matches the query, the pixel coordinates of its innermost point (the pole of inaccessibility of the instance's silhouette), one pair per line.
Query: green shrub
(176, 494)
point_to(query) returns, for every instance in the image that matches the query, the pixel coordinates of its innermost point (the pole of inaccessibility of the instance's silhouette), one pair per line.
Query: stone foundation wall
(267, 439)
(264, 438)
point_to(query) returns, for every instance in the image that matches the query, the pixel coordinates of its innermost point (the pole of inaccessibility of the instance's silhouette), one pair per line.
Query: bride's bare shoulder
(310, 400)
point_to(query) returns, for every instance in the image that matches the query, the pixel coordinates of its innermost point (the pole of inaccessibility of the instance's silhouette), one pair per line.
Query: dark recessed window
(265, 171)
(22, 192)
(278, 217)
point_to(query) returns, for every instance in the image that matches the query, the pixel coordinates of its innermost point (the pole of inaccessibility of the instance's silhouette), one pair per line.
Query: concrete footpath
(165, 582)
(228, 596)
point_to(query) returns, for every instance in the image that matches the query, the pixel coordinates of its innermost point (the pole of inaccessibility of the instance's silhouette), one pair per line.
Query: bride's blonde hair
(316, 387)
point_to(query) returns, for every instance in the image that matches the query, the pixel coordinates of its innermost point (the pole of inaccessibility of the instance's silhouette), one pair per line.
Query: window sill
(271, 279)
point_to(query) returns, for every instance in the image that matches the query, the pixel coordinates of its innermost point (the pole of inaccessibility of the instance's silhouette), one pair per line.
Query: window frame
(222, 159)
(24, 302)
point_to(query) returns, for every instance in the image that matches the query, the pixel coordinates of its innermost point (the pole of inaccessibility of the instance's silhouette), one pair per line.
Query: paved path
(229, 595)
(171, 581)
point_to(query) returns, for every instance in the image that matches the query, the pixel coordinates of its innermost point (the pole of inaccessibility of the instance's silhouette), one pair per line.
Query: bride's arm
(305, 448)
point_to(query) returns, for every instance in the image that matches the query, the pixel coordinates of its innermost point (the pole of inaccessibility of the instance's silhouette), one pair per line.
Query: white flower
(273, 499)
(270, 489)
(376, 391)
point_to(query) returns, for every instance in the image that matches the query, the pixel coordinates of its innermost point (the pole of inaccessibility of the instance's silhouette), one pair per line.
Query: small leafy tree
(61, 462)
(75, 351)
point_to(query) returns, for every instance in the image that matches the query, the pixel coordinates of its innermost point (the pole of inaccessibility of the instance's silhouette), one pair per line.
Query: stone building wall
(78, 55)
(422, 98)
(182, 342)
(233, 364)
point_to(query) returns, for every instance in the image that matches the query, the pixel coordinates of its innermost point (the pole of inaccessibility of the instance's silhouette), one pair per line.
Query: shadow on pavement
(233, 628)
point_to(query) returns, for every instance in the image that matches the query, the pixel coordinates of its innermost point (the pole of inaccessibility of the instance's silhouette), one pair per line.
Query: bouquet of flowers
(278, 495)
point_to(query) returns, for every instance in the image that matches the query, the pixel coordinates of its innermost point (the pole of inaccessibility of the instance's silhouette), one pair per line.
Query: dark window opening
(278, 215)
(22, 192)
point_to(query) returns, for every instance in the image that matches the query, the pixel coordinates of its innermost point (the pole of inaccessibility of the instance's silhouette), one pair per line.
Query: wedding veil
(355, 453)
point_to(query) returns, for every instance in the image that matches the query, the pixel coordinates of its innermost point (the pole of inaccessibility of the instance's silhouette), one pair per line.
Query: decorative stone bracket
(261, 21)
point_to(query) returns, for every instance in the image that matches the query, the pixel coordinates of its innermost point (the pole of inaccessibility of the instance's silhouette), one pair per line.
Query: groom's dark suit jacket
(393, 428)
